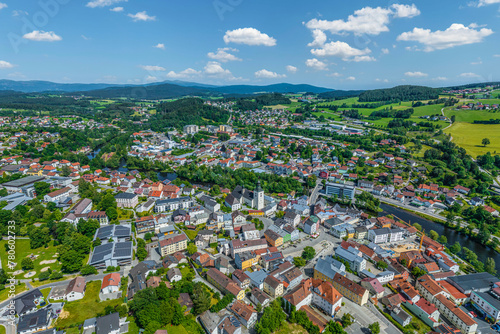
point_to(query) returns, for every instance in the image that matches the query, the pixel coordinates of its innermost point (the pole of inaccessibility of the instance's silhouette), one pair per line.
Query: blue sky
(336, 44)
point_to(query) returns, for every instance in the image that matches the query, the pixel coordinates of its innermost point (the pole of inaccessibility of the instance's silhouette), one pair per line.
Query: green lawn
(23, 250)
(45, 292)
(4, 294)
(2, 329)
(176, 330)
(469, 136)
(90, 306)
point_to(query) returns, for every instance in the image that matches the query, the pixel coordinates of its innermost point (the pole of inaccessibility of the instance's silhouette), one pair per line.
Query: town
(273, 219)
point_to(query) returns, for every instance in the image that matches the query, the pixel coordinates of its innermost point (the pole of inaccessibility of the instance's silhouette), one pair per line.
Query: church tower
(259, 196)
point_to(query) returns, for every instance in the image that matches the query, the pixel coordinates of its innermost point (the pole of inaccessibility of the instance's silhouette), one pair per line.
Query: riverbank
(451, 234)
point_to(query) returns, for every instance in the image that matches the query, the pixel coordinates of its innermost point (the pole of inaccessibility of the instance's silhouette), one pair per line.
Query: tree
(433, 235)
(443, 239)
(490, 267)
(88, 270)
(299, 262)
(308, 253)
(456, 248)
(41, 188)
(201, 298)
(374, 328)
(27, 264)
(65, 171)
(403, 262)
(191, 249)
(417, 272)
(39, 237)
(417, 226)
(346, 320)
(382, 265)
(485, 142)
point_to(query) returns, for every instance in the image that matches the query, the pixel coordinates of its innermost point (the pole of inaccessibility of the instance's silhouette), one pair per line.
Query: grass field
(90, 306)
(288, 328)
(4, 294)
(176, 329)
(469, 136)
(470, 116)
(23, 250)
(2, 329)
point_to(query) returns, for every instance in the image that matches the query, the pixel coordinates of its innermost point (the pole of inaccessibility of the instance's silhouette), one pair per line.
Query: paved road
(315, 192)
(364, 316)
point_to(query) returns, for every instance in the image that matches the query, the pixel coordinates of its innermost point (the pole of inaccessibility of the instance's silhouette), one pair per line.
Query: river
(482, 252)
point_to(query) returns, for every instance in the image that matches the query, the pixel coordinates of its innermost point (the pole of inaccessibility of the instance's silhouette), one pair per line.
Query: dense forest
(335, 94)
(42, 103)
(400, 93)
(153, 92)
(260, 101)
(186, 111)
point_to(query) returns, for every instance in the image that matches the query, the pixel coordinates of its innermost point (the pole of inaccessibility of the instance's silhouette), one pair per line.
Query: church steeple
(258, 189)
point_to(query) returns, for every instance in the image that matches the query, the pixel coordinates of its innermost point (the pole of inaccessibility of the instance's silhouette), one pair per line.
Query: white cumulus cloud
(416, 74)
(248, 36)
(381, 80)
(385, 51)
(469, 75)
(223, 55)
(265, 74)
(316, 64)
(457, 34)
(334, 74)
(187, 73)
(42, 36)
(367, 20)
(117, 9)
(350, 78)
(440, 79)
(152, 68)
(487, 2)
(5, 64)
(160, 46)
(3, 5)
(141, 16)
(214, 69)
(319, 38)
(151, 78)
(343, 51)
(407, 11)
(103, 3)
(291, 69)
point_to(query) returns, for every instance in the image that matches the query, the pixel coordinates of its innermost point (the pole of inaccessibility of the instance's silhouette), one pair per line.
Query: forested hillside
(400, 93)
(186, 111)
(261, 100)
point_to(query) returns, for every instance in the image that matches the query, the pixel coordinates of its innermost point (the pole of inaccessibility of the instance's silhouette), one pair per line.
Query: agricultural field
(43, 258)
(469, 136)
(470, 116)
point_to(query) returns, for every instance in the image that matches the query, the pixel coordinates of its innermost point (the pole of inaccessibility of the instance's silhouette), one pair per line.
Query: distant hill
(400, 93)
(47, 86)
(275, 88)
(168, 90)
(151, 92)
(339, 93)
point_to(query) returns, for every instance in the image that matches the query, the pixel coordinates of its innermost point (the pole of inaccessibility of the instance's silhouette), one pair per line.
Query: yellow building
(272, 286)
